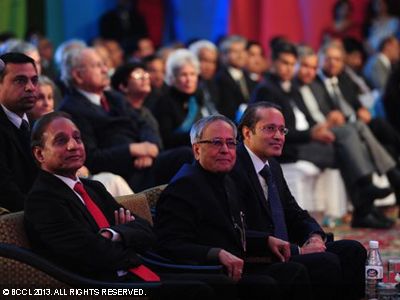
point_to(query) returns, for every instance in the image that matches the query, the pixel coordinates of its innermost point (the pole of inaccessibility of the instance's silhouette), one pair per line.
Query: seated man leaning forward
(78, 224)
(198, 220)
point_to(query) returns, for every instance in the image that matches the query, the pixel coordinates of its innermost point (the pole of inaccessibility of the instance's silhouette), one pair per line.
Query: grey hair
(16, 45)
(198, 128)
(304, 51)
(227, 42)
(196, 47)
(72, 59)
(330, 45)
(63, 48)
(176, 60)
(44, 80)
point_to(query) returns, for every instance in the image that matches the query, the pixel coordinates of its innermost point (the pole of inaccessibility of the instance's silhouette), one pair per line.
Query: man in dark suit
(235, 85)
(269, 207)
(117, 140)
(78, 224)
(18, 88)
(199, 220)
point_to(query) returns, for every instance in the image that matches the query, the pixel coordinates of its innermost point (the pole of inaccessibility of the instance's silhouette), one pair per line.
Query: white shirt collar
(14, 118)
(92, 97)
(286, 86)
(257, 162)
(71, 184)
(383, 58)
(236, 73)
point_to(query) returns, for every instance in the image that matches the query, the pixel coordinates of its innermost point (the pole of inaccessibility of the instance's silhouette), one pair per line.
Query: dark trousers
(337, 273)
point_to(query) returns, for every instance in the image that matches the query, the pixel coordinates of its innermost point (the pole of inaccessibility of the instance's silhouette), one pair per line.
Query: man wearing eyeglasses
(335, 268)
(199, 220)
(18, 94)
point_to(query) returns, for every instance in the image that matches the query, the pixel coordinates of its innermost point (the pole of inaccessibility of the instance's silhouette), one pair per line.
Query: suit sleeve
(175, 226)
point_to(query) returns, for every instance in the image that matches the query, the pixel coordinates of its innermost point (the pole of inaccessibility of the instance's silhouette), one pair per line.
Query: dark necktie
(340, 101)
(141, 271)
(104, 103)
(278, 216)
(25, 130)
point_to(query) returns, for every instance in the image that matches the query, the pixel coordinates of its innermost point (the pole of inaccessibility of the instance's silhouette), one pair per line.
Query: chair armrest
(61, 274)
(163, 264)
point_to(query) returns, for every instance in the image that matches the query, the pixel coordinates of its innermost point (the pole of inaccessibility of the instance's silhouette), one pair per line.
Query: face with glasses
(267, 137)
(216, 149)
(92, 73)
(138, 83)
(18, 89)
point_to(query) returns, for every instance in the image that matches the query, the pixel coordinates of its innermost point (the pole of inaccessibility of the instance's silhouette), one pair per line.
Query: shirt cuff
(115, 236)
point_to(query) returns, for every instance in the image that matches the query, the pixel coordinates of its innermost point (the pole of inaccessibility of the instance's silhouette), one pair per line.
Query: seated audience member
(78, 224)
(20, 46)
(336, 269)
(257, 64)
(115, 140)
(154, 65)
(379, 66)
(207, 54)
(235, 85)
(18, 92)
(342, 99)
(181, 106)
(199, 220)
(133, 82)
(315, 142)
(355, 139)
(114, 184)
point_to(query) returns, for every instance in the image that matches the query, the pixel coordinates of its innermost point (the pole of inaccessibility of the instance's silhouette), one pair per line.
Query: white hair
(176, 60)
(196, 47)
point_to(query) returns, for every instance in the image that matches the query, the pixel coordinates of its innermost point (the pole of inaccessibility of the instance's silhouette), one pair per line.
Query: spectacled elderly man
(199, 220)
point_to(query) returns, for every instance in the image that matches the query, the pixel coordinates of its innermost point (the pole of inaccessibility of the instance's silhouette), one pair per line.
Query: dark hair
(385, 42)
(14, 58)
(149, 58)
(122, 73)
(251, 43)
(41, 126)
(251, 117)
(283, 47)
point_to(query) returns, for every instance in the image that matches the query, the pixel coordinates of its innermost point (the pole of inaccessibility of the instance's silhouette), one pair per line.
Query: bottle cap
(374, 244)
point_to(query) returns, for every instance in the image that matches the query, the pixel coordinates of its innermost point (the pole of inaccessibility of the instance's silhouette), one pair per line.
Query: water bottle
(373, 271)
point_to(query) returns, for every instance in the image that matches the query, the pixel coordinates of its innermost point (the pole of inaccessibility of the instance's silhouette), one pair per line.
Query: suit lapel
(252, 177)
(10, 131)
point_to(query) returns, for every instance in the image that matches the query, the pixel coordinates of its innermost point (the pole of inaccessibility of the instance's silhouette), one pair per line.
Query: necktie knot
(78, 187)
(104, 103)
(24, 125)
(266, 172)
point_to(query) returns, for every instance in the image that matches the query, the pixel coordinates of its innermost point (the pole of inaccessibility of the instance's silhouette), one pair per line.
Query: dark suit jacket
(230, 96)
(17, 167)
(196, 213)
(61, 228)
(107, 135)
(258, 215)
(271, 91)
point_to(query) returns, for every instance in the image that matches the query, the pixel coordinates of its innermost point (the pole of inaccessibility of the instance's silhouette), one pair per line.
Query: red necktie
(104, 103)
(141, 271)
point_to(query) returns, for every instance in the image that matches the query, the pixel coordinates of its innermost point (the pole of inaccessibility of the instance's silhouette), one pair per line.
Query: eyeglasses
(140, 75)
(272, 129)
(219, 143)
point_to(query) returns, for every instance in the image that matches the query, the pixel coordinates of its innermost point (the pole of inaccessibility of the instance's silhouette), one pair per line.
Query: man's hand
(335, 118)
(143, 162)
(123, 216)
(143, 149)
(233, 264)
(364, 115)
(314, 244)
(321, 133)
(279, 247)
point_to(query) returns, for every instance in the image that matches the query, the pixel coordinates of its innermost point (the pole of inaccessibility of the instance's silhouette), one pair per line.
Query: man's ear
(246, 131)
(196, 151)
(77, 75)
(38, 154)
(123, 88)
